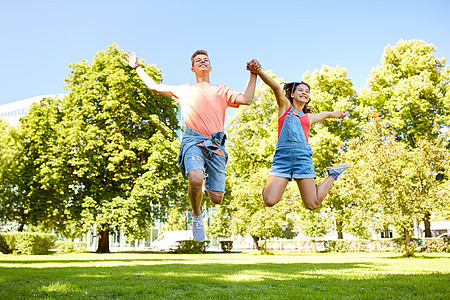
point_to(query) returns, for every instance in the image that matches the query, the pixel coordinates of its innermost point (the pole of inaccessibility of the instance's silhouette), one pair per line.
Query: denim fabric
(212, 164)
(293, 154)
(191, 138)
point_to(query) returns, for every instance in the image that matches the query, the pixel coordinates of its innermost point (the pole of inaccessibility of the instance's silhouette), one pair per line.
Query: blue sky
(40, 38)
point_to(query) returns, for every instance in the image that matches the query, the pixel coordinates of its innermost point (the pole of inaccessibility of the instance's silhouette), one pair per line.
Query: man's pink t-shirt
(203, 105)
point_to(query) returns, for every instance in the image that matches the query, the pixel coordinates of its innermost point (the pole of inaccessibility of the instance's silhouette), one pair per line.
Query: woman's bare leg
(313, 195)
(274, 189)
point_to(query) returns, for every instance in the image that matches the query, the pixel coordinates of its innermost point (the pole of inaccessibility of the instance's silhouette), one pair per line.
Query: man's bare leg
(195, 193)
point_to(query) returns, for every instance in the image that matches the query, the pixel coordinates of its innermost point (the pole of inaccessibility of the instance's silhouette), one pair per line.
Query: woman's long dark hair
(289, 89)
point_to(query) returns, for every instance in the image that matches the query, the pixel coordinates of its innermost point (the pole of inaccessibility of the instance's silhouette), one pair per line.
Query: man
(202, 152)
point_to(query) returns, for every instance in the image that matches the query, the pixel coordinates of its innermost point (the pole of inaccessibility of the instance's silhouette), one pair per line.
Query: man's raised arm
(249, 93)
(159, 88)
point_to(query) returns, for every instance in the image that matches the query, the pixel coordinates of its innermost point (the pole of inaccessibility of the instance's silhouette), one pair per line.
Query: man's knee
(196, 178)
(216, 197)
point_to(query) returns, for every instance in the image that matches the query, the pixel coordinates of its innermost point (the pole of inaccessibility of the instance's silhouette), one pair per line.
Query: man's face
(201, 63)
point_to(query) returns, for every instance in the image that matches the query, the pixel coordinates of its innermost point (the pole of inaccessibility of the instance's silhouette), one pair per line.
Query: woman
(293, 155)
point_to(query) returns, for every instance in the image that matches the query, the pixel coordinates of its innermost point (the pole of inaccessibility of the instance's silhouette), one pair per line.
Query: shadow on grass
(261, 280)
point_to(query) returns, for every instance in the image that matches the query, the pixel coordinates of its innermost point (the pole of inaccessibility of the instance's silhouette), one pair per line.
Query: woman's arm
(315, 118)
(282, 101)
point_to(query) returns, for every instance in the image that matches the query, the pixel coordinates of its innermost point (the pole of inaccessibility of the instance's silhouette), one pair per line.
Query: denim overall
(293, 154)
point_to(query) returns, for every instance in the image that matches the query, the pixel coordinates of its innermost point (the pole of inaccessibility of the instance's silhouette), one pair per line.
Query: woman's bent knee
(268, 202)
(311, 205)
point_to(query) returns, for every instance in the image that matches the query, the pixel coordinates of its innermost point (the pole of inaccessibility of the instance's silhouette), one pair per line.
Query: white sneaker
(337, 171)
(197, 228)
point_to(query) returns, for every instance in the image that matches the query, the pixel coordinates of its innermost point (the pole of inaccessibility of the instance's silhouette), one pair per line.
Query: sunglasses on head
(295, 82)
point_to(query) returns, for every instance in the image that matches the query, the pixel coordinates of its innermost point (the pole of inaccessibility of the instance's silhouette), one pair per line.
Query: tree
(10, 208)
(33, 186)
(313, 223)
(120, 139)
(410, 89)
(395, 183)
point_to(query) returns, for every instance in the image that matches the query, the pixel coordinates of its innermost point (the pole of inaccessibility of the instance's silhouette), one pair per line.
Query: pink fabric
(304, 121)
(203, 106)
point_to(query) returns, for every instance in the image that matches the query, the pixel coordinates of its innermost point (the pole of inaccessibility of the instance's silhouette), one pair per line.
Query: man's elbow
(247, 101)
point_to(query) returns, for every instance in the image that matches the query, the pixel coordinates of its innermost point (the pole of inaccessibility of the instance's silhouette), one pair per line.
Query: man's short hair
(197, 53)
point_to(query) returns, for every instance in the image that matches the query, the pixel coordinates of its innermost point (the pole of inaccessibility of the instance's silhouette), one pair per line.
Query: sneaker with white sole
(337, 171)
(197, 228)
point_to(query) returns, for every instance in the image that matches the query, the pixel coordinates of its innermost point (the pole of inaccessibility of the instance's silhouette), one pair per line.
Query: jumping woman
(293, 154)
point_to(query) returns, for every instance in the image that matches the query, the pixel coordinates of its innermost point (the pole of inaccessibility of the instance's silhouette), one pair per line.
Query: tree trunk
(427, 224)
(255, 242)
(339, 230)
(408, 250)
(103, 241)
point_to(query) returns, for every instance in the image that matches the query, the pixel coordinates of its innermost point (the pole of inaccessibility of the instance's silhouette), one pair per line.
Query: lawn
(247, 275)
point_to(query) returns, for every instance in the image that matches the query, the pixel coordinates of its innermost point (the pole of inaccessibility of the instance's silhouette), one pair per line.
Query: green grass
(225, 276)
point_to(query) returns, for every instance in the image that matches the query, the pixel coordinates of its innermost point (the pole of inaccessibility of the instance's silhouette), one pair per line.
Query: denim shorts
(198, 158)
(293, 162)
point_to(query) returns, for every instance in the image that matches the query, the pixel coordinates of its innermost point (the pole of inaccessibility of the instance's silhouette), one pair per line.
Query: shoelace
(197, 225)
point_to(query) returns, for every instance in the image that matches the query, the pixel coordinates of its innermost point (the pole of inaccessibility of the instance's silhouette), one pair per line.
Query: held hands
(254, 66)
(132, 59)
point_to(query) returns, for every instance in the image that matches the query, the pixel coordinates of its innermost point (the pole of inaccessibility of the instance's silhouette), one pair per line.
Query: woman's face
(301, 93)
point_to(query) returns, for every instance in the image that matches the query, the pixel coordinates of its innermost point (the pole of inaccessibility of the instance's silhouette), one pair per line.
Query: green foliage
(401, 181)
(220, 222)
(411, 90)
(289, 230)
(32, 186)
(175, 220)
(432, 245)
(252, 133)
(122, 141)
(4, 243)
(105, 155)
(313, 223)
(191, 247)
(226, 246)
(26, 242)
(347, 245)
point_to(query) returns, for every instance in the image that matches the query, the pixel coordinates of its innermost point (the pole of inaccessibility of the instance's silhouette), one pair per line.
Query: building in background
(13, 111)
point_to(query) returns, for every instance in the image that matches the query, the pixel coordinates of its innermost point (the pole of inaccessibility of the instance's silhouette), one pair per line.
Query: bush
(191, 246)
(68, 247)
(435, 245)
(27, 242)
(226, 246)
(378, 245)
(348, 245)
(4, 247)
